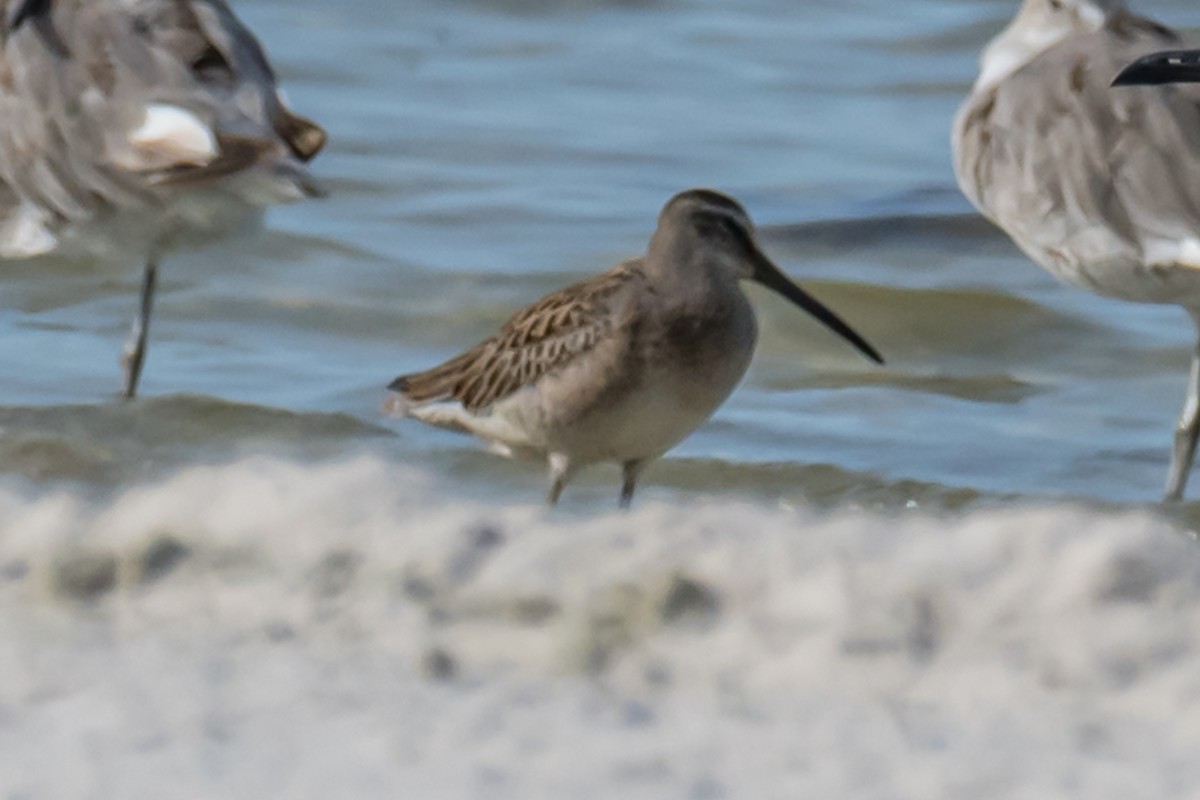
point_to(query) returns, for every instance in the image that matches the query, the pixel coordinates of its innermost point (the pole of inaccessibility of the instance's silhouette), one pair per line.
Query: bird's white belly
(187, 218)
(1159, 272)
(641, 421)
(187, 221)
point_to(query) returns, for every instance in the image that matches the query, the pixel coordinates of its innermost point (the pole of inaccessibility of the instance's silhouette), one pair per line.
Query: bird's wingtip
(398, 403)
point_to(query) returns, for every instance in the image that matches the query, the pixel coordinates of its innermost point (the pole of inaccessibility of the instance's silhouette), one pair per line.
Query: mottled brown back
(535, 342)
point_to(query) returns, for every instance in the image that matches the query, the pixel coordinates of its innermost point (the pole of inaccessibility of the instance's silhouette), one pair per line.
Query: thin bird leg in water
(133, 355)
(631, 470)
(560, 473)
(1186, 433)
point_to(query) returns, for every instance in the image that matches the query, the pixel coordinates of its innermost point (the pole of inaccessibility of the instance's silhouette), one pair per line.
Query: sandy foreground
(272, 629)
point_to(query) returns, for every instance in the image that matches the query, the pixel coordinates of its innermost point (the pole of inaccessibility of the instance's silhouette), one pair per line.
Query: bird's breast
(680, 368)
(657, 376)
(708, 346)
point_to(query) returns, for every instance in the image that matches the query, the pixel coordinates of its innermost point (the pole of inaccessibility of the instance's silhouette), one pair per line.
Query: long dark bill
(1170, 66)
(771, 277)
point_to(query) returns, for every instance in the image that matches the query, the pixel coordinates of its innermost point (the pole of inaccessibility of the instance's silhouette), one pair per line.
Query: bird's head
(704, 230)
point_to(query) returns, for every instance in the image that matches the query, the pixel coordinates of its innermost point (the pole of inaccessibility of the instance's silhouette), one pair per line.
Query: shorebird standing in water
(621, 366)
(1099, 187)
(129, 128)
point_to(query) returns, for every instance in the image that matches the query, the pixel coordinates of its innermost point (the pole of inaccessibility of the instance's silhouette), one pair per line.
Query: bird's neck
(688, 277)
(1024, 40)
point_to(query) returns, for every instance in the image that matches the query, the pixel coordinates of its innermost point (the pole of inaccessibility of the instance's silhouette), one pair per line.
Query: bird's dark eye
(1056, 5)
(211, 65)
(713, 226)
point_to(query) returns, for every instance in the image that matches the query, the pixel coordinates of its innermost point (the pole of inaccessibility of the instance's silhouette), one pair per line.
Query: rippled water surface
(250, 564)
(485, 153)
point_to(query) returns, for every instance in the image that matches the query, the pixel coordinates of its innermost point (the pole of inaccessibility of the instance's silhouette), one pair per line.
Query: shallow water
(482, 154)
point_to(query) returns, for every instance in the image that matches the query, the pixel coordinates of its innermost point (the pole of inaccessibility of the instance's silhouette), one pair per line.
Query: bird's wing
(80, 129)
(110, 107)
(535, 342)
(1072, 168)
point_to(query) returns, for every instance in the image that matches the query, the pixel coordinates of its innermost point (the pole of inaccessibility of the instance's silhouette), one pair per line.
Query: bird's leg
(630, 470)
(133, 355)
(1186, 433)
(560, 472)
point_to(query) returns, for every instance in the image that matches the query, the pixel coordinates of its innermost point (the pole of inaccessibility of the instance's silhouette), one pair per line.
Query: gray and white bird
(623, 365)
(130, 128)
(1100, 187)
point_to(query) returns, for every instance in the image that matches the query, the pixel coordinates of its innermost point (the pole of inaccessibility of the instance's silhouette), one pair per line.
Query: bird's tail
(428, 396)
(433, 398)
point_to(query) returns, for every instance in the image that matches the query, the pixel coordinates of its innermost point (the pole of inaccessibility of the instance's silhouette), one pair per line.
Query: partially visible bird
(130, 128)
(1164, 67)
(623, 365)
(1099, 187)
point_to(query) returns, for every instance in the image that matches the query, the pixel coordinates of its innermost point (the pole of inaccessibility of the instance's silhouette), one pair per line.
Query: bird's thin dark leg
(133, 355)
(560, 472)
(1186, 433)
(630, 470)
